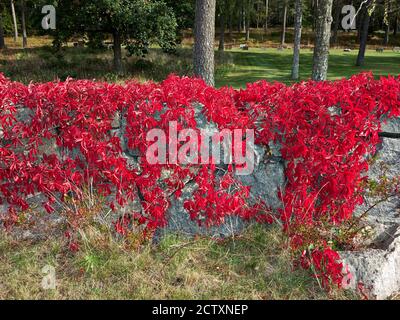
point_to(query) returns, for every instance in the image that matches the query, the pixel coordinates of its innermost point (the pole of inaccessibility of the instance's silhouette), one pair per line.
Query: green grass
(42, 65)
(255, 265)
(233, 68)
(273, 65)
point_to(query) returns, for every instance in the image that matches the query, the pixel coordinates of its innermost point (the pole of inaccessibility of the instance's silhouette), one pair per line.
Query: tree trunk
(117, 47)
(239, 20)
(359, 25)
(221, 45)
(314, 8)
(322, 38)
(14, 17)
(244, 17)
(386, 38)
(297, 39)
(247, 28)
(266, 16)
(204, 40)
(364, 25)
(257, 15)
(24, 36)
(338, 9)
(230, 22)
(248, 17)
(2, 43)
(386, 20)
(283, 34)
(396, 26)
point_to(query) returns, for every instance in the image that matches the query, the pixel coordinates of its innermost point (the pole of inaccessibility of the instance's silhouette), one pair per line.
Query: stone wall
(377, 267)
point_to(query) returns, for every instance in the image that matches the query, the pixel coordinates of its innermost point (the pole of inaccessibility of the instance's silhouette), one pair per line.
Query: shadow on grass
(273, 65)
(44, 64)
(233, 68)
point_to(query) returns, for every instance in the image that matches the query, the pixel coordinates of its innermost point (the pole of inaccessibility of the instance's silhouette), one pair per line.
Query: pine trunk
(239, 20)
(117, 47)
(364, 25)
(322, 38)
(266, 16)
(2, 43)
(248, 17)
(204, 40)
(221, 45)
(297, 39)
(230, 22)
(336, 24)
(360, 18)
(386, 38)
(243, 18)
(247, 29)
(314, 7)
(257, 15)
(23, 23)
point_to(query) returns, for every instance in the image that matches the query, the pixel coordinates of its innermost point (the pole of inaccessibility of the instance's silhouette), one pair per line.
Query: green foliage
(139, 23)
(184, 12)
(5, 18)
(96, 40)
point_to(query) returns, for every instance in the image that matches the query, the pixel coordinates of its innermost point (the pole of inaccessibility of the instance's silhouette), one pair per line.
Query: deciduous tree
(134, 23)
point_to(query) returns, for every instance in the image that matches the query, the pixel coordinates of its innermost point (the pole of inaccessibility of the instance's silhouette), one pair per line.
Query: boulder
(35, 223)
(377, 269)
(265, 182)
(377, 266)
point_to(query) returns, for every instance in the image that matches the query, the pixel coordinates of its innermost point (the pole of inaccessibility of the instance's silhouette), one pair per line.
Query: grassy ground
(273, 65)
(234, 67)
(253, 266)
(40, 63)
(258, 38)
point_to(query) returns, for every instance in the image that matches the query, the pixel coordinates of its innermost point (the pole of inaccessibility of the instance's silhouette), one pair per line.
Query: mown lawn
(273, 65)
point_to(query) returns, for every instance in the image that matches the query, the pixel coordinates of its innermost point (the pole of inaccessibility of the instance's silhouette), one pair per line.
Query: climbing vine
(59, 139)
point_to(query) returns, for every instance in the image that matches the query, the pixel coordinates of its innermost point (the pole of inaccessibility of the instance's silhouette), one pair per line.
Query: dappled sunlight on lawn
(274, 65)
